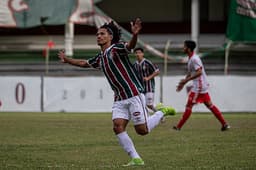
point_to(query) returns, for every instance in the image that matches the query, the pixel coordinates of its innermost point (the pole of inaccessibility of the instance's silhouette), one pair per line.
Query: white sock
(126, 142)
(154, 120)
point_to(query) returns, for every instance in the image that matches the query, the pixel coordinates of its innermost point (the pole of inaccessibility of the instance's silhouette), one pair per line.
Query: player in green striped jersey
(129, 101)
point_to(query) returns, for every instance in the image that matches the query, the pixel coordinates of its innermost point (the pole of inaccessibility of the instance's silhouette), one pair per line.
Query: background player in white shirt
(199, 92)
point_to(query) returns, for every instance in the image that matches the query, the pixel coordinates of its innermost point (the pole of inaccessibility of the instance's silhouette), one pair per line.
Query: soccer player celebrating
(146, 72)
(129, 101)
(199, 92)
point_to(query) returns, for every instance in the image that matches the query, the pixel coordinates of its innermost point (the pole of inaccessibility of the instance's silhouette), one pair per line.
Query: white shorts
(133, 109)
(149, 98)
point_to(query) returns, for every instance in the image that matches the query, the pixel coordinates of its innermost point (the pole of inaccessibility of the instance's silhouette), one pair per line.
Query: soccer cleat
(167, 110)
(225, 127)
(176, 128)
(135, 162)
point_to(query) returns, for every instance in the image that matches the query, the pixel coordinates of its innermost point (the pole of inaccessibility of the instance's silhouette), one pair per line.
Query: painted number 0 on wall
(20, 93)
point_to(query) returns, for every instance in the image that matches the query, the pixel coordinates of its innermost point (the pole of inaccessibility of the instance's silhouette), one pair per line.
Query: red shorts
(194, 98)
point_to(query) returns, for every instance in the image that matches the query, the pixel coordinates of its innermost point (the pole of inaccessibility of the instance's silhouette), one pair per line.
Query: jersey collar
(190, 55)
(140, 61)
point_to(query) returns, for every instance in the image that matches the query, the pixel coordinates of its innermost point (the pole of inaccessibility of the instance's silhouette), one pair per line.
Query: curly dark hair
(113, 29)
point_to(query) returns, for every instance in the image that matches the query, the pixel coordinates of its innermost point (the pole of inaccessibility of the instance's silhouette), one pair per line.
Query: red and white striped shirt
(200, 84)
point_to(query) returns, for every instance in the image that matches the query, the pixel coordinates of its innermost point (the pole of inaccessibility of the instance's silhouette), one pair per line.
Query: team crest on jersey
(136, 113)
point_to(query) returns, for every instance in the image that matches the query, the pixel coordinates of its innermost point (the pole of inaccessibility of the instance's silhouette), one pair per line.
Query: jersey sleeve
(94, 62)
(121, 47)
(152, 67)
(197, 63)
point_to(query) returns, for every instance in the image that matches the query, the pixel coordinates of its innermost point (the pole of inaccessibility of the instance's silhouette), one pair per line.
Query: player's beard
(103, 45)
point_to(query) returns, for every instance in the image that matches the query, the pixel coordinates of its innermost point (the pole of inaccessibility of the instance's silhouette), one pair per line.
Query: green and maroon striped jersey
(119, 71)
(144, 69)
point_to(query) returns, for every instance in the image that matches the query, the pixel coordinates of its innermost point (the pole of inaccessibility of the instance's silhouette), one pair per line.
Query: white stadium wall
(20, 93)
(93, 94)
(77, 94)
(229, 93)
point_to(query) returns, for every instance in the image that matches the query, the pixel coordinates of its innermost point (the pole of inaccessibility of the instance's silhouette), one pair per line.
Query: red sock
(217, 114)
(185, 117)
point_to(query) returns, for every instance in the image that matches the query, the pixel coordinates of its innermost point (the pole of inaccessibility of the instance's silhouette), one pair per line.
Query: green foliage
(37, 56)
(86, 141)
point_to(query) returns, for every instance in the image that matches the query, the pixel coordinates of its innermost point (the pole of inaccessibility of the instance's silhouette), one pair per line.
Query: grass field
(86, 141)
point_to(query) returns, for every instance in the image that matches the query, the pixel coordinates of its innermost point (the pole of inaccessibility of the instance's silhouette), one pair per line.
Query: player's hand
(62, 56)
(180, 85)
(146, 79)
(136, 26)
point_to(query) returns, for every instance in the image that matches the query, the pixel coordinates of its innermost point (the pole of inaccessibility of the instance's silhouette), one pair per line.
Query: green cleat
(135, 162)
(167, 110)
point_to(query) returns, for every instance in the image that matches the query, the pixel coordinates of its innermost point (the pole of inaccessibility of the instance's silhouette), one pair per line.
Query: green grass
(86, 141)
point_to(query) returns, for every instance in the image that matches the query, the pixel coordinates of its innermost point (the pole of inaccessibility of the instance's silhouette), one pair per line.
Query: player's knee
(150, 106)
(208, 104)
(189, 106)
(190, 103)
(118, 129)
(142, 132)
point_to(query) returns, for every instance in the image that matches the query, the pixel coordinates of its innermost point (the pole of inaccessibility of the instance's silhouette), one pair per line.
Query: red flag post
(46, 54)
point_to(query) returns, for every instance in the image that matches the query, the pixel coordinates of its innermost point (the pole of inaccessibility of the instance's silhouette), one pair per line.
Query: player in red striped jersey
(199, 92)
(129, 101)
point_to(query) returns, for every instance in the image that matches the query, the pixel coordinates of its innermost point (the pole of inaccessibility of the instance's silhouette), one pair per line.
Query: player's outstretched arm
(135, 29)
(76, 62)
